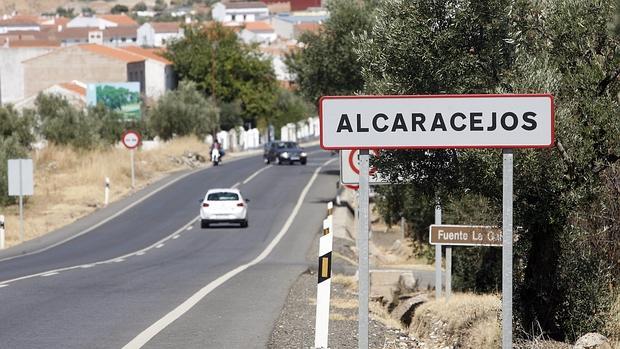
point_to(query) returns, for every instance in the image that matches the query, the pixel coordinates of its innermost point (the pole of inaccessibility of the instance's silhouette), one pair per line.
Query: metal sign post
(362, 246)
(2, 232)
(131, 140)
(133, 171)
(21, 182)
(438, 282)
(507, 250)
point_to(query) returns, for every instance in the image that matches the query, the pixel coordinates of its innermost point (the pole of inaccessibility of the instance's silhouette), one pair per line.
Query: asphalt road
(80, 294)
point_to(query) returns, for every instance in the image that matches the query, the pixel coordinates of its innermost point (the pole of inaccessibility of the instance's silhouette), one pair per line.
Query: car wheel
(303, 162)
(291, 162)
(204, 224)
(279, 161)
(266, 161)
(244, 224)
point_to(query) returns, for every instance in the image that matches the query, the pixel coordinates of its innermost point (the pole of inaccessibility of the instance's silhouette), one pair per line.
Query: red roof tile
(73, 87)
(147, 53)
(112, 53)
(121, 20)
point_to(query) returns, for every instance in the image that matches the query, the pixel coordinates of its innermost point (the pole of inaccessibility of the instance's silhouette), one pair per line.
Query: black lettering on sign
(399, 123)
(493, 122)
(375, 124)
(359, 124)
(530, 123)
(344, 124)
(475, 119)
(418, 120)
(453, 121)
(438, 123)
(505, 122)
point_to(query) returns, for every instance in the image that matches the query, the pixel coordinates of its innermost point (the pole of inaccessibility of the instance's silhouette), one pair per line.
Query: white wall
(12, 71)
(282, 28)
(146, 35)
(250, 37)
(218, 12)
(162, 39)
(83, 22)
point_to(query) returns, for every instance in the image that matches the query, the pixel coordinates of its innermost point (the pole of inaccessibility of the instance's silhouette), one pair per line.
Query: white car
(223, 206)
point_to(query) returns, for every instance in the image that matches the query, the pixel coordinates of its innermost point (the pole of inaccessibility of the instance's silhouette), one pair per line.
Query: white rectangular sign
(349, 170)
(21, 181)
(437, 121)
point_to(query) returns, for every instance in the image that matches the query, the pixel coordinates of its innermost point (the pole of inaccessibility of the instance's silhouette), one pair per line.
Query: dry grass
(349, 282)
(344, 303)
(379, 313)
(613, 326)
(70, 184)
(341, 317)
(470, 320)
(38, 6)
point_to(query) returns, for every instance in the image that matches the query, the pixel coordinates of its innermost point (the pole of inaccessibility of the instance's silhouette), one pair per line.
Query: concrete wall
(12, 71)
(146, 35)
(159, 78)
(283, 28)
(72, 63)
(262, 38)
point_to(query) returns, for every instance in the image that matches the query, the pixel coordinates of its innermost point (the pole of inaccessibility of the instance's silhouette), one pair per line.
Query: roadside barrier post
(330, 208)
(2, 232)
(438, 281)
(324, 285)
(106, 199)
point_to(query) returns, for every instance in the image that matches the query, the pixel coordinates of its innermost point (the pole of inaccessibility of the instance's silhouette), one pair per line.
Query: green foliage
(15, 139)
(61, 123)
(289, 107)
(141, 6)
(328, 65)
(223, 67)
(118, 8)
(65, 12)
(182, 112)
(563, 275)
(160, 5)
(230, 115)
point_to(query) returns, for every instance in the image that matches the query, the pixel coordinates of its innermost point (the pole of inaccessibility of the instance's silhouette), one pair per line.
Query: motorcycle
(215, 157)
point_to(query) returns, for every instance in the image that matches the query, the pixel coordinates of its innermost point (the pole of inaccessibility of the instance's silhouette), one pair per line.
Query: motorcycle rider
(215, 151)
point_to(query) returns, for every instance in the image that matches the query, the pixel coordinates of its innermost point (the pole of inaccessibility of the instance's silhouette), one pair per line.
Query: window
(223, 196)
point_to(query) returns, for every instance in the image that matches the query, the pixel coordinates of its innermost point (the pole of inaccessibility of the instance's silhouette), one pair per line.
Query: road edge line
(145, 336)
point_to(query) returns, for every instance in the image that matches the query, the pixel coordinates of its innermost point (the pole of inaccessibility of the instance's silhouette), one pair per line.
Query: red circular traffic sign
(131, 139)
(373, 169)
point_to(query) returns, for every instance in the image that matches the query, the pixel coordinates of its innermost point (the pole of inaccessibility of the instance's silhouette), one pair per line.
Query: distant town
(64, 51)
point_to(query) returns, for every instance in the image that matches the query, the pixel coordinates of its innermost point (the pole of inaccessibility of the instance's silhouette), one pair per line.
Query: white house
(159, 76)
(159, 34)
(18, 23)
(82, 21)
(258, 32)
(242, 11)
(12, 71)
(291, 25)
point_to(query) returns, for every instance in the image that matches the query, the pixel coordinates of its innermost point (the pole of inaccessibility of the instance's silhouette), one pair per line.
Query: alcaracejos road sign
(437, 121)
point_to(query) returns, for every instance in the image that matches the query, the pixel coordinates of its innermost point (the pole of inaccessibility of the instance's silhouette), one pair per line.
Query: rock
(407, 282)
(592, 341)
(405, 309)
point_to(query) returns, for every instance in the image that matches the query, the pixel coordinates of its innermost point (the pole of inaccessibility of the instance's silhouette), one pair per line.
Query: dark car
(282, 152)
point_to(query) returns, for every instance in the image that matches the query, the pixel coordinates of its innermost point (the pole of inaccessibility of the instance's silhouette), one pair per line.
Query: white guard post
(324, 285)
(2, 236)
(106, 198)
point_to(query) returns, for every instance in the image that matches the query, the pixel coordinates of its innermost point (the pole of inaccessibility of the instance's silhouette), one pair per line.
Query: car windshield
(286, 145)
(223, 196)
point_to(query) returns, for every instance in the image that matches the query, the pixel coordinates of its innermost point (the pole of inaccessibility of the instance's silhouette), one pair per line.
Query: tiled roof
(128, 32)
(244, 4)
(82, 33)
(165, 27)
(262, 27)
(73, 87)
(303, 27)
(147, 53)
(121, 20)
(34, 43)
(111, 52)
(20, 21)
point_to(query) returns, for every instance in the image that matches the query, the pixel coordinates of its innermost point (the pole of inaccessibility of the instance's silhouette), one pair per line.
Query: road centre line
(123, 210)
(112, 260)
(254, 175)
(145, 336)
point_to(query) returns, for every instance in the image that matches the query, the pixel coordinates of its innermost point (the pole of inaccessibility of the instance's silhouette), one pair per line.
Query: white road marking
(159, 246)
(190, 228)
(119, 260)
(3, 285)
(254, 175)
(175, 237)
(145, 336)
(125, 209)
(135, 253)
(86, 266)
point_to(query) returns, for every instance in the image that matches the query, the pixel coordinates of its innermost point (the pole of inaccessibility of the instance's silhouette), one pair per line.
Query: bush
(182, 112)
